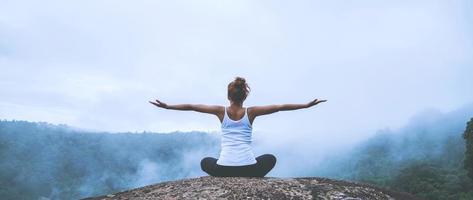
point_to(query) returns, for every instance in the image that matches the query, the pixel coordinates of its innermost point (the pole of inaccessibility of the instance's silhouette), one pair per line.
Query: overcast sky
(94, 64)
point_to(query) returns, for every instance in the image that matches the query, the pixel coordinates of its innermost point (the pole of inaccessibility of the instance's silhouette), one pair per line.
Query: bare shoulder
(211, 109)
(257, 109)
(218, 109)
(220, 112)
(252, 110)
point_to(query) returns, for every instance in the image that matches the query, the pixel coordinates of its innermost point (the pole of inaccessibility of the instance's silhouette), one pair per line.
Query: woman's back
(236, 141)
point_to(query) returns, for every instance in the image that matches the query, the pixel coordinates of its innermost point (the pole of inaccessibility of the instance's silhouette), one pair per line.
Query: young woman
(236, 157)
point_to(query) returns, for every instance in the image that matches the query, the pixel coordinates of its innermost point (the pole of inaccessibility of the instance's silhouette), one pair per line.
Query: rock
(258, 188)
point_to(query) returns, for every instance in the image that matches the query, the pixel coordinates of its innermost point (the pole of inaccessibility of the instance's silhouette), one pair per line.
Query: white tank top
(236, 142)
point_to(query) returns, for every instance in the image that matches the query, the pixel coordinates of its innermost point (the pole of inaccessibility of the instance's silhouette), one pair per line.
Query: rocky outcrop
(258, 188)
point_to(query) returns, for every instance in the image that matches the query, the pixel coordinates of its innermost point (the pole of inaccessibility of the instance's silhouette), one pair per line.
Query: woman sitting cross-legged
(236, 156)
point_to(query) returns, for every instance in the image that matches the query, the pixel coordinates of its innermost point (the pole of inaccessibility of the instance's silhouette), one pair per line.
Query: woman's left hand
(315, 102)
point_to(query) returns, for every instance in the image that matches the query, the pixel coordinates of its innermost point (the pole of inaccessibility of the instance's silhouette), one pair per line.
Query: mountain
(44, 161)
(41, 160)
(257, 188)
(424, 158)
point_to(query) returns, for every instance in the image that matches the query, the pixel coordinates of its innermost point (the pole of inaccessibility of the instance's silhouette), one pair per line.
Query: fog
(61, 162)
(430, 137)
(94, 65)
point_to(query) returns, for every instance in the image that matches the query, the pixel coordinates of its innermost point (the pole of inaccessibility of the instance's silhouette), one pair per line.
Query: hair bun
(238, 89)
(240, 81)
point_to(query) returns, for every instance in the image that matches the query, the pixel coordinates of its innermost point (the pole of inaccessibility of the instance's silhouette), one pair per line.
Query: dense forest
(58, 162)
(45, 161)
(425, 158)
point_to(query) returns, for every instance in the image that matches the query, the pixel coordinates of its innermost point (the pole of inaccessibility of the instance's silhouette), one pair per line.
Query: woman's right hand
(315, 102)
(159, 104)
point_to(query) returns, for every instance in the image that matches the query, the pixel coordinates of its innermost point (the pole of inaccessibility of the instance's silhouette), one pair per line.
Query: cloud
(96, 64)
(148, 173)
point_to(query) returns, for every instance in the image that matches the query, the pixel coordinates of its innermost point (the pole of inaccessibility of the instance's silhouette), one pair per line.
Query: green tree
(468, 136)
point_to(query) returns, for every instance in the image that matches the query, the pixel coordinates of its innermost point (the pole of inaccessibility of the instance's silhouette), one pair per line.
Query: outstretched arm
(211, 109)
(265, 110)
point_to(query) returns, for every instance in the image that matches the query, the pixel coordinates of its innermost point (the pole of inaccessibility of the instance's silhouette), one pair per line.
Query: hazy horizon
(397, 76)
(95, 65)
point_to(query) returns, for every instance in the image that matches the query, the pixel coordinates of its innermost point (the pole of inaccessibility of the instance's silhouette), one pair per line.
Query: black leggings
(263, 165)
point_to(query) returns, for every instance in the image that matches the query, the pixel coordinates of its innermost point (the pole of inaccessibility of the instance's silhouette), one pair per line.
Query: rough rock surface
(258, 188)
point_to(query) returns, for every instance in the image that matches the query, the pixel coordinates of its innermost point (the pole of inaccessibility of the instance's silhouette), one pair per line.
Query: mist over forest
(424, 158)
(46, 161)
(57, 162)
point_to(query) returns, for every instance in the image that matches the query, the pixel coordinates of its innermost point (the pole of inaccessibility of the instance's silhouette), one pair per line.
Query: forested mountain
(58, 162)
(424, 158)
(45, 161)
